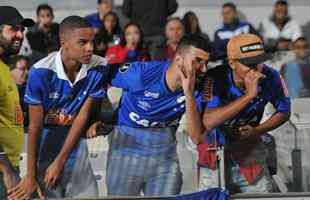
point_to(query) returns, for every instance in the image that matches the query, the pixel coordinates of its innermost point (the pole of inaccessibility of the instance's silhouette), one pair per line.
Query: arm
(195, 126)
(127, 8)
(10, 178)
(272, 123)
(215, 115)
(28, 184)
(36, 115)
(77, 129)
(281, 102)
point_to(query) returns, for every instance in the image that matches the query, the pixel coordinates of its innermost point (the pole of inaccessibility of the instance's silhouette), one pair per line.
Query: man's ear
(62, 39)
(232, 64)
(179, 60)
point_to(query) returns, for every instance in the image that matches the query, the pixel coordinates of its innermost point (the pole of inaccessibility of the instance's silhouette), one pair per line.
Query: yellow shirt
(11, 116)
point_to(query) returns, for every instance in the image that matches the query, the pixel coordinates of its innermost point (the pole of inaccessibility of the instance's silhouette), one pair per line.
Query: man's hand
(188, 73)
(251, 81)
(26, 187)
(188, 79)
(53, 173)
(10, 179)
(247, 131)
(92, 130)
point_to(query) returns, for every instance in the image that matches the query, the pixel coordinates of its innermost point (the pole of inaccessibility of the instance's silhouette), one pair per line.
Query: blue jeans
(131, 174)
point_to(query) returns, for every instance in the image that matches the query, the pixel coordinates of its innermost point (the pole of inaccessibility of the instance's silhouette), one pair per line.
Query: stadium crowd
(54, 79)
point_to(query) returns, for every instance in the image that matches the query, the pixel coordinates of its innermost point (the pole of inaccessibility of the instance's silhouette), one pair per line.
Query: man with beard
(62, 90)
(142, 155)
(11, 116)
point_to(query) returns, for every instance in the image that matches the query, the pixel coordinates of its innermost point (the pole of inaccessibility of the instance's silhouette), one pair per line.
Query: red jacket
(119, 54)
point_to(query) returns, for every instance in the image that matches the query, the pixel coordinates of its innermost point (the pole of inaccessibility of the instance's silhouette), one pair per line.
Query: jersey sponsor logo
(124, 68)
(208, 89)
(53, 95)
(142, 122)
(151, 94)
(58, 117)
(144, 105)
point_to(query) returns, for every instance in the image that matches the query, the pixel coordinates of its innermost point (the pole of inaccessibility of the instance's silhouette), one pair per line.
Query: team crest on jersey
(124, 68)
(208, 89)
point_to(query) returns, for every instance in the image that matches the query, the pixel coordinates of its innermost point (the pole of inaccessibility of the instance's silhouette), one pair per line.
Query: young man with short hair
(62, 91)
(236, 95)
(142, 155)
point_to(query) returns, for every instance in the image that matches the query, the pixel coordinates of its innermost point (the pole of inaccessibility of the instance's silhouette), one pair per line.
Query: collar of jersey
(60, 71)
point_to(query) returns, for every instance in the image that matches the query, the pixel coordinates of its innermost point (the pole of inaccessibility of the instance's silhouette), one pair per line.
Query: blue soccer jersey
(49, 86)
(220, 90)
(149, 112)
(147, 101)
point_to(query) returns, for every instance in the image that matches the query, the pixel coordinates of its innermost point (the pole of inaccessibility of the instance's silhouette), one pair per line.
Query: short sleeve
(99, 80)
(35, 88)
(280, 99)
(126, 76)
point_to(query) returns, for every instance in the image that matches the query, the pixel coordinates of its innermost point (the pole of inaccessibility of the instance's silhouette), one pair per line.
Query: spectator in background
(279, 25)
(130, 48)
(297, 72)
(192, 27)
(152, 16)
(20, 66)
(232, 26)
(174, 33)
(96, 19)
(101, 43)
(282, 54)
(43, 38)
(111, 30)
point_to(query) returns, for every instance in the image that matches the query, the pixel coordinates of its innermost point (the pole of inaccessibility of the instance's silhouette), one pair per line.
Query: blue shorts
(130, 173)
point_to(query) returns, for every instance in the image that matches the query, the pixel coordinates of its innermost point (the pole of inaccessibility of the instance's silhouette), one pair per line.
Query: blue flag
(210, 194)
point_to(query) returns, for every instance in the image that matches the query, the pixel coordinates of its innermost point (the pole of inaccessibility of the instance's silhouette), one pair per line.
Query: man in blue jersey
(142, 156)
(61, 91)
(236, 96)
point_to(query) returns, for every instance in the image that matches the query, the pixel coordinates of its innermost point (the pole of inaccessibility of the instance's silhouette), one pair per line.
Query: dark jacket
(151, 14)
(44, 42)
(227, 31)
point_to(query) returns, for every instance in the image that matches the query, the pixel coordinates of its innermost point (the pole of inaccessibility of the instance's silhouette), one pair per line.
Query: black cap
(253, 61)
(10, 16)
